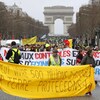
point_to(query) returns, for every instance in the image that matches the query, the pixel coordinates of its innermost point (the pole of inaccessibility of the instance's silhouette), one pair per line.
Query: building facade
(14, 9)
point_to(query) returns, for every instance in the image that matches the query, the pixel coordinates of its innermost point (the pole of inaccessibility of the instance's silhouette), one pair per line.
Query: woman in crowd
(79, 57)
(88, 59)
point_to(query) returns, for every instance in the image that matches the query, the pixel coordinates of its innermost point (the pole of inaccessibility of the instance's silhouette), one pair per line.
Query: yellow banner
(29, 41)
(46, 82)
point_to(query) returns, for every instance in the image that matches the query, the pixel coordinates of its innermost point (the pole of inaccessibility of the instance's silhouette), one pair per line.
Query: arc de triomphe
(58, 12)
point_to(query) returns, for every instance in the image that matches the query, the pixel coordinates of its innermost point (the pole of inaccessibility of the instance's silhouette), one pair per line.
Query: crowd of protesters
(58, 44)
(53, 42)
(55, 46)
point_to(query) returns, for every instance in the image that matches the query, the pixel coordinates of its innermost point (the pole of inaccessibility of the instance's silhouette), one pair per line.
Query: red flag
(66, 42)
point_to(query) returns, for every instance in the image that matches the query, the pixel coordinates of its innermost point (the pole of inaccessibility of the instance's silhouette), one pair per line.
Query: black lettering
(39, 85)
(26, 62)
(74, 53)
(36, 74)
(69, 85)
(60, 85)
(71, 62)
(68, 62)
(1, 78)
(97, 62)
(31, 56)
(4, 69)
(57, 86)
(27, 55)
(18, 84)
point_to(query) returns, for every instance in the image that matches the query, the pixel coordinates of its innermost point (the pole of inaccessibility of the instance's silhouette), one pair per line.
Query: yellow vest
(11, 59)
(52, 61)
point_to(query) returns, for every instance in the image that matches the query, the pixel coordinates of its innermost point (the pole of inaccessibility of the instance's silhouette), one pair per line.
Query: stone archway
(58, 12)
(58, 23)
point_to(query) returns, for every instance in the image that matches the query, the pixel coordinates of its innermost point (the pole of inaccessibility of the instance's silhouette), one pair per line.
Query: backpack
(16, 57)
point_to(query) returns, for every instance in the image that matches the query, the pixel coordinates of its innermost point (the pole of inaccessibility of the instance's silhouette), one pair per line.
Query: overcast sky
(35, 8)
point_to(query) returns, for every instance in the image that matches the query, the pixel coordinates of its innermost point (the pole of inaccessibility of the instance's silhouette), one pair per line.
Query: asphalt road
(95, 96)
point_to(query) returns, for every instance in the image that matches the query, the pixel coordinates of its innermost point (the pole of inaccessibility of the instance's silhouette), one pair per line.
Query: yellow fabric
(29, 41)
(46, 82)
(47, 45)
(36, 50)
(70, 43)
(53, 63)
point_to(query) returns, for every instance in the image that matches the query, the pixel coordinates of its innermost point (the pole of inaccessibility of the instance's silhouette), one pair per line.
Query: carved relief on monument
(48, 19)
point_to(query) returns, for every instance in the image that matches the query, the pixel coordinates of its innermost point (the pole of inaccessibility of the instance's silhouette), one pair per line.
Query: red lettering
(65, 53)
(69, 53)
(42, 55)
(96, 54)
(37, 56)
(48, 55)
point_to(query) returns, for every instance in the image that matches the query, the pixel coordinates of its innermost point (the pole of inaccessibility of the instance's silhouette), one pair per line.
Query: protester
(48, 47)
(13, 54)
(79, 57)
(55, 59)
(96, 48)
(88, 59)
(87, 48)
(42, 47)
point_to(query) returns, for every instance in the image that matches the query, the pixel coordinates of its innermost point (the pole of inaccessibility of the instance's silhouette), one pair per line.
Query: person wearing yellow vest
(55, 59)
(11, 54)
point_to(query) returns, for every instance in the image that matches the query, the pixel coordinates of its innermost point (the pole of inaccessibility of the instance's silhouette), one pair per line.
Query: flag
(68, 43)
(44, 36)
(29, 40)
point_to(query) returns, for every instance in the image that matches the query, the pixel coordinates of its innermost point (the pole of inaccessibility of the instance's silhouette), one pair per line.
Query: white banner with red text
(41, 58)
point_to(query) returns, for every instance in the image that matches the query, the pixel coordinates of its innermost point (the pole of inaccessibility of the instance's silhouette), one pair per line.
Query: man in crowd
(55, 59)
(13, 54)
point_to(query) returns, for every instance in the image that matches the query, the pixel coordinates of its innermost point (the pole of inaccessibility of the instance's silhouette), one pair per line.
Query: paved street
(95, 96)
